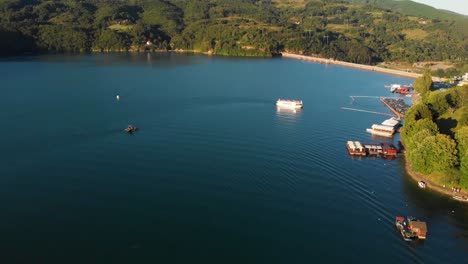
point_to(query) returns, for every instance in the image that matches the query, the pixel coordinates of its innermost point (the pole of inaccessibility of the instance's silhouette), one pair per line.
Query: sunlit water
(216, 173)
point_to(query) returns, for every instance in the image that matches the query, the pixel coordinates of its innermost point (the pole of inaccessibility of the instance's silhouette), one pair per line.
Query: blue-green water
(216, 174)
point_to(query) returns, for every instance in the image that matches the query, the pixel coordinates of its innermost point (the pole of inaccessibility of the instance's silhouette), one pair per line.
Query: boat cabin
(355, 148)
(411, 228)
(418, 227)
(403, 90)
(389, 150)
(374, 149)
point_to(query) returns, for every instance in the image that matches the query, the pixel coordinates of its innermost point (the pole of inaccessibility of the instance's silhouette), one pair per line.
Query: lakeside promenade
(352, 65)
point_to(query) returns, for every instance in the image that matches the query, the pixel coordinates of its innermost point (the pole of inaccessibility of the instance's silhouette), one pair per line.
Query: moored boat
(373, 149)
(401, 89)
(422, 184)
(460, 198)
(389, 150)
(355, 148)
(292, 104)
(391, 122)
(381, 130)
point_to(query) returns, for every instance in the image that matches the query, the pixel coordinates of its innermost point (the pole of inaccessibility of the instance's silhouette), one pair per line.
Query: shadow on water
(145, 59)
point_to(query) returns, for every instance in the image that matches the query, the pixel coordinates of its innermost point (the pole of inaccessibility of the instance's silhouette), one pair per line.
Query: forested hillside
(435, 134)
(332, 29)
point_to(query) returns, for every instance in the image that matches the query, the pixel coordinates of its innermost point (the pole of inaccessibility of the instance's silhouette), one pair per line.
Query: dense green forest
(363, 32)
(435, 133)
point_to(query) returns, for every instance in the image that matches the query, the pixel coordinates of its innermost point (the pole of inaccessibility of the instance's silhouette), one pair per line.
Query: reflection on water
(152, 60)
(288, 113)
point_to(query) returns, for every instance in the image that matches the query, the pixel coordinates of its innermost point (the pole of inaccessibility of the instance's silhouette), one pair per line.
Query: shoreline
(431, 185)
(446, 191)
(351, 65)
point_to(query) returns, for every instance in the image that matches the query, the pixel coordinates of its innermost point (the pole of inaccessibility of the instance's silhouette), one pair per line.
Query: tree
(411, 129)
(434, 154)
(438, 103)
(109, 40)
(464, 171)
(462, 141)
(424, 83)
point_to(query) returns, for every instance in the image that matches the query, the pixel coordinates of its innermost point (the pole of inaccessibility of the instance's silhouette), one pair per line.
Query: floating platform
(355, 148)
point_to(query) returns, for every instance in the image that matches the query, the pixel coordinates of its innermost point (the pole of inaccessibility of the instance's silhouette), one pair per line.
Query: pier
(397, 106)
(365, 111)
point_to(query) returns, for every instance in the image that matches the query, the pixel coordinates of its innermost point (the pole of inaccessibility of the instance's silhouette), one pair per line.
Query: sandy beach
(352, 65)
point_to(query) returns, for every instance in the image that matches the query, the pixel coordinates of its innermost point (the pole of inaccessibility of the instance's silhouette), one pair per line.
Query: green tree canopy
(434, 154)
(424, 83)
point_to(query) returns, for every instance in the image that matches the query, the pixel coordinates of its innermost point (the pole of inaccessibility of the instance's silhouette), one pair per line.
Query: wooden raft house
(355, 148)
(411, 228)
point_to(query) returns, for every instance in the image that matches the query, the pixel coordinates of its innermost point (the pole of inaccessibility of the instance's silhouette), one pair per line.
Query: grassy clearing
(290, 3)
(338, 27)
(121, 28)
(415, 34)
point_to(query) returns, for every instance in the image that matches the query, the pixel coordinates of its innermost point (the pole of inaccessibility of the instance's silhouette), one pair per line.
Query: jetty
(365, 111)
(397, 106)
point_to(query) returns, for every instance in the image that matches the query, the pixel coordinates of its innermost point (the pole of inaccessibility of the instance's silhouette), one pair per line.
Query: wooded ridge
(353, 32)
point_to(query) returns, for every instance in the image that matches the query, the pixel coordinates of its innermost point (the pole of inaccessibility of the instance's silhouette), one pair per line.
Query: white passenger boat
(380, 130)
(292, 104)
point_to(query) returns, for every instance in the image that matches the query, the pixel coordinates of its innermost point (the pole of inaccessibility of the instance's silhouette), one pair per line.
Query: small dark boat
(130, 129)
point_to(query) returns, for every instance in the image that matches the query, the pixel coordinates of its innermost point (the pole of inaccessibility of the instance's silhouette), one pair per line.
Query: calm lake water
(216, 174)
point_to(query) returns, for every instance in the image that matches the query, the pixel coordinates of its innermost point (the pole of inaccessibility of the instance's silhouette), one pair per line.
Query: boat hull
(379, 133)
(289, 106)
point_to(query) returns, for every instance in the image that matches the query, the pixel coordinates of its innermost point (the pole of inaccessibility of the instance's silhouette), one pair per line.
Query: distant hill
(413, 9)
(364, 31)
(410, 8)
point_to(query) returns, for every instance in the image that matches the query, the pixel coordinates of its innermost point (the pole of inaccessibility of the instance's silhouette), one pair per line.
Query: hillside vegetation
(435, 134)
(360, 33)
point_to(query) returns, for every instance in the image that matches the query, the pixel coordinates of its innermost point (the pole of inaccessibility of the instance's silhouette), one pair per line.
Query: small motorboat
(422, 184)
(130, 129)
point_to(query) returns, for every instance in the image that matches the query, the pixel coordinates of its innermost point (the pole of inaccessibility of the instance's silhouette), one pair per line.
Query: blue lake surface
(216, 173)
